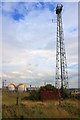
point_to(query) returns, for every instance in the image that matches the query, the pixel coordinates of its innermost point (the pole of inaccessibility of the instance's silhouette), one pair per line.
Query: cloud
(29, 43)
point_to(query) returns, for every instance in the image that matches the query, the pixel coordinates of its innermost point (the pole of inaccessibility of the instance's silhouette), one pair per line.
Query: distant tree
(48, 87)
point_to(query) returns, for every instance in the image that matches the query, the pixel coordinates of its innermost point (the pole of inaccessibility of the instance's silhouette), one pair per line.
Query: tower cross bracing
(61, 62)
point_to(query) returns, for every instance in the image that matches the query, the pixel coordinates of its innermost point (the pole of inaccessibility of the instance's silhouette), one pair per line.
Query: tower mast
(61, 63)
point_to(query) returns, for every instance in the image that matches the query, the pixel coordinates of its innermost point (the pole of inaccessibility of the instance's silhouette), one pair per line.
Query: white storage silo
(21, 88)
(11, 87)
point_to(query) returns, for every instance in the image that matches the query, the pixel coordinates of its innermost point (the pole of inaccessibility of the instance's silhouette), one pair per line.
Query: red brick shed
(49, 94)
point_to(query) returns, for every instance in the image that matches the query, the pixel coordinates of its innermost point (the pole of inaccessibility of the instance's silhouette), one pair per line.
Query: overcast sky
(29, 42)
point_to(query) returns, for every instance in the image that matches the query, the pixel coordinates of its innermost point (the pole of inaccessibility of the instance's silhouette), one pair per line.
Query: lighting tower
(4, 84)
(61, 64)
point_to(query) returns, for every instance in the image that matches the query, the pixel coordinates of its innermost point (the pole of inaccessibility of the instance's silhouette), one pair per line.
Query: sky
(28, 45)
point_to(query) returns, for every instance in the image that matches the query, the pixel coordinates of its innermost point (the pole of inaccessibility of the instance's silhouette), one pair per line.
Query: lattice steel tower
(61, 63)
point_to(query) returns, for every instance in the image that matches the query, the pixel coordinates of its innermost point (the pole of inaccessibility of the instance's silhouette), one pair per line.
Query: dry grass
(38, 109)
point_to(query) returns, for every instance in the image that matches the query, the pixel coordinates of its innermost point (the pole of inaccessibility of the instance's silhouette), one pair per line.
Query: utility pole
(17, 98)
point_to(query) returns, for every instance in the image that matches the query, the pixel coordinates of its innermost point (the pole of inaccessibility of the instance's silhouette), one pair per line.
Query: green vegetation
(34, 95)
(48, 87)
(65, 94)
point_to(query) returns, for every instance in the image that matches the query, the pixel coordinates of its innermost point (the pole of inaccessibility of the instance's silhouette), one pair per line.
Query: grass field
(69, 108)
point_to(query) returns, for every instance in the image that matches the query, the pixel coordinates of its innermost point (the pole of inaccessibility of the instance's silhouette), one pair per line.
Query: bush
(65, 94)
(34, 95)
